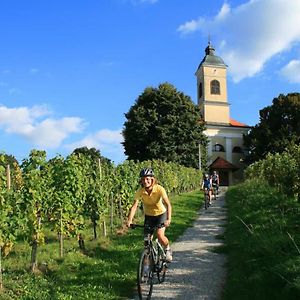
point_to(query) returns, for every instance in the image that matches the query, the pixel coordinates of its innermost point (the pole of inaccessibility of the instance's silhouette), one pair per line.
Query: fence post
(104, 228)
(100, 170)
(111, 213)
(121, 211)
(8, 181)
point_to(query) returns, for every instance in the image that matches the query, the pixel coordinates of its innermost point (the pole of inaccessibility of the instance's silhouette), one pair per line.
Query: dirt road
(197, 272)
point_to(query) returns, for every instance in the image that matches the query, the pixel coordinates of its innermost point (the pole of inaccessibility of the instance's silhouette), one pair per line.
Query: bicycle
(215, 191)
(206, 198)
(152, 261)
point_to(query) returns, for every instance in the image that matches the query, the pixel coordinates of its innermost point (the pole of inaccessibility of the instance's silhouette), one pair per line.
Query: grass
(106, 270)
(262, 242)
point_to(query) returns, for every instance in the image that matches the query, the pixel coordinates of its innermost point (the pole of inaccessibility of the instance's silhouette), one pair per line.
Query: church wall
(215, 112)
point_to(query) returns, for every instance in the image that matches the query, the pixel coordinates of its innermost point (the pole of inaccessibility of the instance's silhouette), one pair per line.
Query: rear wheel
(215, 192)
(206, 200)
(145, 275)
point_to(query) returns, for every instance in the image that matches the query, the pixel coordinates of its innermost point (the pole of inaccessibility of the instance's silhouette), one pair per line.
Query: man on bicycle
(206, 186)
(215, 181)
(157, 208)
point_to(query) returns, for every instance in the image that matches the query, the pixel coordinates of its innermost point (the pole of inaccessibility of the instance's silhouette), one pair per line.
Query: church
(225, 135)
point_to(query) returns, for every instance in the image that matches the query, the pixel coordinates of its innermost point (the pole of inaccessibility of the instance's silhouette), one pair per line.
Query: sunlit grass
(262, 237)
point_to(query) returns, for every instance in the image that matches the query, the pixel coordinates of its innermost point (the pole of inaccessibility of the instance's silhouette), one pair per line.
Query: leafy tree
(278, 128)
(164, 124)
(93, 153)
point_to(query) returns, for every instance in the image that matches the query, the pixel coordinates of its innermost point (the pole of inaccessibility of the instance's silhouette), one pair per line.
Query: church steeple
(212, 88)
(209, 50)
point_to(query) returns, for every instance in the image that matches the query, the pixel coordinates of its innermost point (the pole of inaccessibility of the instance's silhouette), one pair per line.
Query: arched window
(237, 149)
(200, 90)
(215, 87)
(218, 148)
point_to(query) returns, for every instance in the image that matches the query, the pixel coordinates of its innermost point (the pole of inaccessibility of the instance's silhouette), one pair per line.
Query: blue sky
(71, 69)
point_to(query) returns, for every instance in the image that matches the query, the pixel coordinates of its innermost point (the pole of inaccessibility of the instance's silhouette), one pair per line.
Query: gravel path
(196, 272)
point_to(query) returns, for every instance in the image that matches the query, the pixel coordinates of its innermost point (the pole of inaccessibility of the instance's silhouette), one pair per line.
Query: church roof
(235, 123)
(220, 164)
(210, 58)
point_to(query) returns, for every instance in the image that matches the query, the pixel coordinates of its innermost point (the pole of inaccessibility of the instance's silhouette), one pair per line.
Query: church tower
(225, 135)
(212, 88)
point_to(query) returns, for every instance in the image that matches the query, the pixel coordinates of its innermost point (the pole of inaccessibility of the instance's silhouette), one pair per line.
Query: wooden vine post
(8, 177)
(8, 185)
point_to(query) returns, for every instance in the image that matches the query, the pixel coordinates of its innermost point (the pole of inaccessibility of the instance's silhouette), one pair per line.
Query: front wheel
(161, 267)
(145, 275)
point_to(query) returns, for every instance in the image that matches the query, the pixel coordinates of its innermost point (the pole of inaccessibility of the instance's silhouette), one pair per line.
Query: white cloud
(34, 125)
(251, 34)
(107, 141)
(224, 11)
(292, 71)
(51, 133)
(191, 26)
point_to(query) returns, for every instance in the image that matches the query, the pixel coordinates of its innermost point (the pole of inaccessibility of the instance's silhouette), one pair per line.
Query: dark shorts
(153, 221)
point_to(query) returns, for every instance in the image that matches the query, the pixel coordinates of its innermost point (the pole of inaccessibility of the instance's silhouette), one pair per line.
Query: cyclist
(215, 180)
(206, 186)
(157, 208)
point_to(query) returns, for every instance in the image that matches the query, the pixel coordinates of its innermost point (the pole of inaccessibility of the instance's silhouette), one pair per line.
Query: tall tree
(93, 153)
(164, 124)
(278, 128)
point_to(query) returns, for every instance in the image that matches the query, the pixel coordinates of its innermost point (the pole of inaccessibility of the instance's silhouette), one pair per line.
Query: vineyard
(280, 171)
(70, 195)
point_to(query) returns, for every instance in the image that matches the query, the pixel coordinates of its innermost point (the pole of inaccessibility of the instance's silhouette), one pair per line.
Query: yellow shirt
(153, 203)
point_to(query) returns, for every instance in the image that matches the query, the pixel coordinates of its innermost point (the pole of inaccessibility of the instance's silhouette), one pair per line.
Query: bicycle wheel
(206, 200)
(145, 275)
(215, 193)
(161, 265)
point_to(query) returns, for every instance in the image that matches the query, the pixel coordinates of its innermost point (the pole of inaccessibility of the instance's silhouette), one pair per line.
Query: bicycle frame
(154, 254)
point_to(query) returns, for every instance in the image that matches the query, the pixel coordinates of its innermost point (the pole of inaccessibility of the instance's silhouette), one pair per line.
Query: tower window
(200, 90)
(215, 87)
(218, 148)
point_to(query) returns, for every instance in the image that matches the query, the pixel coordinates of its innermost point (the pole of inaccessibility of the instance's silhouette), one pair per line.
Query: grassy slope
(107, 269)
(263, 241)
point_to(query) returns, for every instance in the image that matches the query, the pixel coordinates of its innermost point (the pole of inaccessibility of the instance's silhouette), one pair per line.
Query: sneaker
(169, 256)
